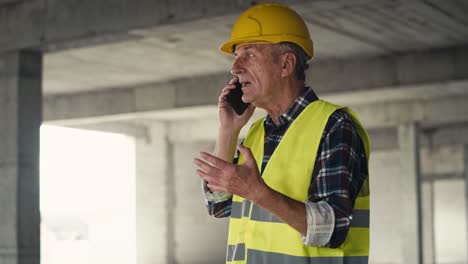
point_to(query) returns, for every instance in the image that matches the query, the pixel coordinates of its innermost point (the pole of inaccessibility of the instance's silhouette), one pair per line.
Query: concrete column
(20, 120)
(410, 193)
(465, 171)
(154, 211)
(427, 192)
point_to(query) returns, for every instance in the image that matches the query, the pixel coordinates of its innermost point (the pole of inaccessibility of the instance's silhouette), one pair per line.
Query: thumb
(247, 154)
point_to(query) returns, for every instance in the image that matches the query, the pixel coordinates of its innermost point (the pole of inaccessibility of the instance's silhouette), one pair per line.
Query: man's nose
(236, 68)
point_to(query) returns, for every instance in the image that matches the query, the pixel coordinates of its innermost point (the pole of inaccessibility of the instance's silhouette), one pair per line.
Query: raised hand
(240, 179)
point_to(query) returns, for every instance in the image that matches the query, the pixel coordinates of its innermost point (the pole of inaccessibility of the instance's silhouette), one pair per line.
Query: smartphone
(234, 98)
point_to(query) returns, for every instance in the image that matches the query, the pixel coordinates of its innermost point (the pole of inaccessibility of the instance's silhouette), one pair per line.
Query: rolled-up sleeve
(214, 197)
(320, 223)
(218, 204)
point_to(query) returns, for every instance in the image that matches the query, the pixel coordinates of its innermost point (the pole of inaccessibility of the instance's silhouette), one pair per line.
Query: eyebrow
(248, 47)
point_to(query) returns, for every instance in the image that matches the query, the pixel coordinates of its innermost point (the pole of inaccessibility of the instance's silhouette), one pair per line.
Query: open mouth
(244, 84)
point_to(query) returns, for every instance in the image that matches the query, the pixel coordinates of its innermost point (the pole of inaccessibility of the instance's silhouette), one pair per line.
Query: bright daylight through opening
(87, 197)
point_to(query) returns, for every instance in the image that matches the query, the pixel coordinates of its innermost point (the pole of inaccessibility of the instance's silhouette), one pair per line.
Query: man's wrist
(261, 194)
(226, 144)
(224, 131)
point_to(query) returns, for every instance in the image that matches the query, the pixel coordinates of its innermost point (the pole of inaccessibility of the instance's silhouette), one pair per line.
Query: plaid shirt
(339, 172)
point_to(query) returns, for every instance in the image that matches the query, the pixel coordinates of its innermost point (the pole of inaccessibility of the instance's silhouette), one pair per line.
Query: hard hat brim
(305, 44)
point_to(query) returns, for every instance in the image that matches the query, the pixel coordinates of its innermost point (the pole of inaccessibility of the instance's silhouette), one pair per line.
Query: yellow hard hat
(270, 22)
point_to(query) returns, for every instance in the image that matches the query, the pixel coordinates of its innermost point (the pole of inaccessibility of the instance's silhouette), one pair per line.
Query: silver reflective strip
(236, 210)
(246, 207)
(262, 215)
(235, 252)
(262, 257)
(360, 218)
(239, 209)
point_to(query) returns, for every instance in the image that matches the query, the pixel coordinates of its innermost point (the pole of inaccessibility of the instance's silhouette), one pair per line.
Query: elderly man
(297, 191)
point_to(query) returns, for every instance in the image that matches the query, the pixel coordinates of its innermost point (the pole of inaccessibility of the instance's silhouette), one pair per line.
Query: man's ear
(288, 61)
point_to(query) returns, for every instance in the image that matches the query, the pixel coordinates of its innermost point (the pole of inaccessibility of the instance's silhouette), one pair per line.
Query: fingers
(234, 80)
(244, 150)
(226, 90)
(207, 177)
(212, 182)
(216, 188)
(223, 94)
(210, 173)
(205, 167)
(210, 169)
(215, 161)
(247, 153)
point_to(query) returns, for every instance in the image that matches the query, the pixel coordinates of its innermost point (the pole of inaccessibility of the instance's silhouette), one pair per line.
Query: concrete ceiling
(340, 29)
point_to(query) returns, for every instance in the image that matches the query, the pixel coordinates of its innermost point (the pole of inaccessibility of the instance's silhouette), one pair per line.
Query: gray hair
(301, 57)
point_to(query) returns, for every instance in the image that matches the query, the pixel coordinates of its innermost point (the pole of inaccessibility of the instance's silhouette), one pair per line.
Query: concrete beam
(436, 65)
(22, 25)
(128, 103)
(433, 113)
(51, 22)
(430, 112)
(137, 131)
(8, 2)
(441, 147)
(350, 82)
(384, 139)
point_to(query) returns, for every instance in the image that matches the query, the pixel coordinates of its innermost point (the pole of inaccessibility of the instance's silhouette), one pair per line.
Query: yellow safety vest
(258, 237)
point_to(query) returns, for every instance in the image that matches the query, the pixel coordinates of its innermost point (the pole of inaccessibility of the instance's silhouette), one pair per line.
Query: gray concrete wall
(386, 227)
(200, 239)
(450, 230)
(152, 195)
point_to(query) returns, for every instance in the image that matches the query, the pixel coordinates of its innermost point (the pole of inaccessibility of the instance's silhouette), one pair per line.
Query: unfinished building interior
(152, 70)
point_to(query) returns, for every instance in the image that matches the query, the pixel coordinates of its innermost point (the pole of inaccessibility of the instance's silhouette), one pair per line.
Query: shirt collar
(307, 96)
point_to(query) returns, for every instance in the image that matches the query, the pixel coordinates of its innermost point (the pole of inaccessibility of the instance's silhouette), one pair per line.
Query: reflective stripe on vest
(239, 210)
(262, 257)
(237, 253)
(257, 236)
(360, 218)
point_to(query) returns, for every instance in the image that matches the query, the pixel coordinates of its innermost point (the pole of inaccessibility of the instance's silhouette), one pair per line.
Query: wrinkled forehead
(258, 45)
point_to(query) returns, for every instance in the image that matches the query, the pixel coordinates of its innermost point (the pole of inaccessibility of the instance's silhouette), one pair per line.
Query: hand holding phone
(234, 98)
